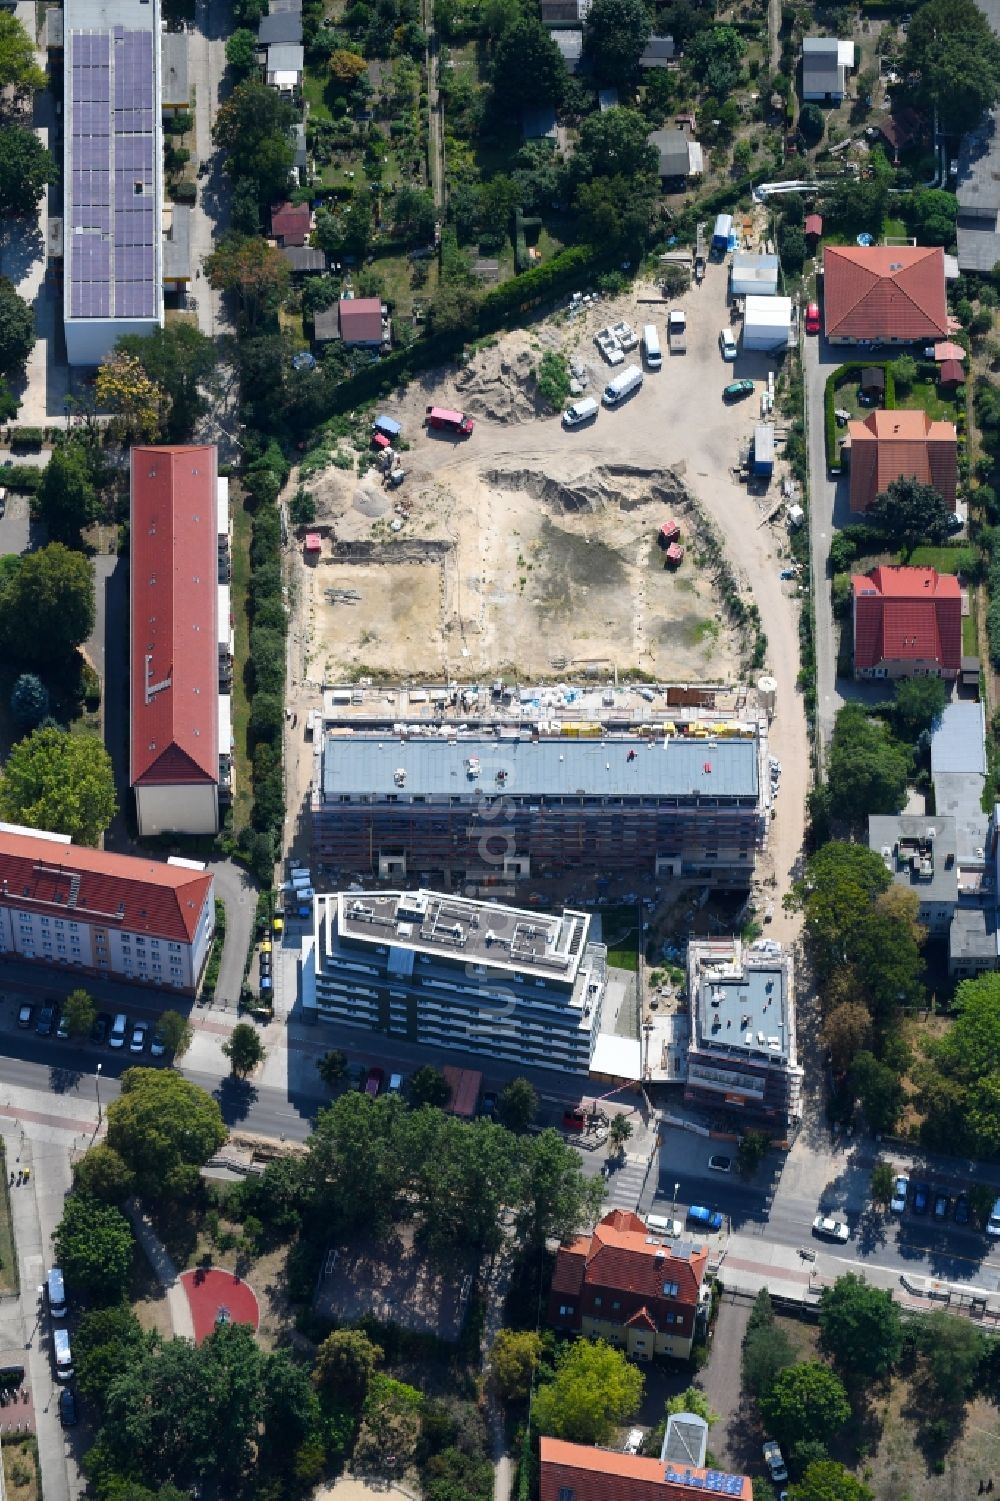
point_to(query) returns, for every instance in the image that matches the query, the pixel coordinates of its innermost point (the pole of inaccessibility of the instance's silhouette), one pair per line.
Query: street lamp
(673, 1202)
(97, 1087)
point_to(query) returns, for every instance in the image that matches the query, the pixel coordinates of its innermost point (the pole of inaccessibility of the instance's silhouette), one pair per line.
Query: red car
(374, 1082)
(812, 318)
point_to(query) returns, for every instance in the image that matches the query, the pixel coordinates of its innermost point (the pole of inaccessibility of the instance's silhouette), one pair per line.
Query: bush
(26, 437)
(24, 478)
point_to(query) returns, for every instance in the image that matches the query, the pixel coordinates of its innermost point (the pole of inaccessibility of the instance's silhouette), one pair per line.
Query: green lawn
(620, 929)
(314, 86)
(970, 633)
(894, 229)
(925, 395)
(944, 559)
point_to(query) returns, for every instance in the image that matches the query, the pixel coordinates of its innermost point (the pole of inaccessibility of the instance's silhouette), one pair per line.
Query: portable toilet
(669, 532)
(674, 555)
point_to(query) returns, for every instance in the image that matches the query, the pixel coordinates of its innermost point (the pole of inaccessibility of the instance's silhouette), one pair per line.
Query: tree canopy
(180, 360)
(868, 769)
(715, 55)
(68, 495)
(94, 1244)
(594, 1389)
(62, 782)
(138, 406)
(908, 512)
(860, 1327)
(919, 705)
(25, 168)
(615, 34)
(806, 1402)
(518, 1105)
(17, 322)
(254, 270)
(614, 143)
(29, 700)
(955, 52)
(47, 605)
(514, 1358)
(244, 1049)
(79, 1013)
(254, 128)
(837, 896)
(959, 1086)
(165, 1129)
(528, 67)
(427, 1085)
(827, 1480)
(18, 67)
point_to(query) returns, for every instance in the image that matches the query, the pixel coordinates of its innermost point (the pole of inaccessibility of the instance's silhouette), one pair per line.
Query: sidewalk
(156, 1254)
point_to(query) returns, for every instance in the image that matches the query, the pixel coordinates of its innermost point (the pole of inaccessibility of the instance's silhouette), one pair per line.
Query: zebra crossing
(625, 1183)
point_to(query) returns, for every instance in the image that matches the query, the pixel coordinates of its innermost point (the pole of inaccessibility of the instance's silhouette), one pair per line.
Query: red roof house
(890, 294)
(576, 1472)
(907, 622)
(901, 444)
(120, 915)
(174, 647)
(361, 321)
(291, 223)
(628, 1287)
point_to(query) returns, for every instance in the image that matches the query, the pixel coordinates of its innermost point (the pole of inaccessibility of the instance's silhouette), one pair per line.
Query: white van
(55, 1289)
(658, 1224)
(651, 344)
(119, 1028)
(623, 385)
(580, 411)
(63, 1354)
(993, 1223)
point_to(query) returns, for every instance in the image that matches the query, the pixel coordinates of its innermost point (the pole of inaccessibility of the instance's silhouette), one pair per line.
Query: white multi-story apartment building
(452, 973)
(71, 907)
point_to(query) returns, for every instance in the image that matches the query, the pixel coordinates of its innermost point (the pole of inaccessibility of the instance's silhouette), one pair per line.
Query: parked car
(710, 1218)
(962, 1211)
(488, 1104)
(942, 1204)
(720, 1164)
(139, 1034)
(158, 1046)
(993, 1223)
(24, 1015)
(900, 1188)
(634, 1441)
(773, 1458)
(62, 1030)
(374, 1082)
(812, 318)
(828, 1228)
(921, 1197)
(737, 389)
(46, 1020)
(67, 1408)
(99, 1031)
(727, 345)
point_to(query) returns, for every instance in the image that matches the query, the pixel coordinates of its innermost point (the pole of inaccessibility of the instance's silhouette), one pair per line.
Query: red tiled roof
(813, 224)
(949, 350)
(907, 615)
(884, 292)
(291, 223)
(361, 320)
(174, 605)
(123, 891)
(951, 373)
(621, 1259)
(584, 1474)
(890, 445)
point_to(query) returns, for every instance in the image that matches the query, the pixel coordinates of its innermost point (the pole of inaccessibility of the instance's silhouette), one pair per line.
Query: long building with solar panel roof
(113, 174)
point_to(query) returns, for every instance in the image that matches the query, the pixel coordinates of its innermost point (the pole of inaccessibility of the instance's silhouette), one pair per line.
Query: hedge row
(26, 479)
(841, 377)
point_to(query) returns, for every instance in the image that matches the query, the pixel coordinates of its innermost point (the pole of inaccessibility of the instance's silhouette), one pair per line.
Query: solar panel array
(112, 199)
(717, 1482)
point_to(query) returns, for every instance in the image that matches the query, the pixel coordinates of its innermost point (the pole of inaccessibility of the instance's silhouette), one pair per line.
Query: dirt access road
(677, 422)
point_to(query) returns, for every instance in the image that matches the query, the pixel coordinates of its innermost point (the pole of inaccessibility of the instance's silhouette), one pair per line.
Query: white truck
(677, 330)
(623, 385)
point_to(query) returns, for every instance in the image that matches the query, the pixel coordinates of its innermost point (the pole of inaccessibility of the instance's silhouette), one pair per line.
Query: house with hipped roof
(884, 294)
(907, 623)
(625, 1285)
(892, 445)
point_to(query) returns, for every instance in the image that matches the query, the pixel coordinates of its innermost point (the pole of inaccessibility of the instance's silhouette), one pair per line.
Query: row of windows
(26, 920)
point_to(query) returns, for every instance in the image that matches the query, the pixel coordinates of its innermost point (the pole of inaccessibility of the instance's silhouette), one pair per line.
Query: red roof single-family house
(291, 223)
(633, 1289)
(576, 1472)
(173, 610)
(886, 294)
(901, 445)
(361, 321)
(907, 623)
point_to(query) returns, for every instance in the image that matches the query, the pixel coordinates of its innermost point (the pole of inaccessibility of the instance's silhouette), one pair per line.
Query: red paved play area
(218, 1297)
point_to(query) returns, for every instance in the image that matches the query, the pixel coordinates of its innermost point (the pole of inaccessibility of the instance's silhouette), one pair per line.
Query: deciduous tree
(807, 1401)
(176, 1032)
(94, 1244)
(17, 323)
(165, 1129)
(25, 168)
(960, 1085)
(846, 1030)
(62, 782)
(953, 1351)
(908, 512)
(956, 54)
(47, 606)
(518, 1105)
(715, 55)
(859, 1328)
(837, 895)
(106, 1340)
(29, 700)
(244, 1049)
(180, 360)
(919, 705)
(102, 1174)
(514, 1359)
(346, 1361)
(254, 270)
(883, 1183)
(79, 1013)
(595, 1388)
(812, 123)
(332, 1067)
(427, 1085)
(18, 68)
(878, 1090)
(241, 52)
(614, 143)
(828, 1480)
(868, 769)
(767, 1350)
(615, 33)
(346, 68)
(67, 496)
(138, 406)
(253, 127)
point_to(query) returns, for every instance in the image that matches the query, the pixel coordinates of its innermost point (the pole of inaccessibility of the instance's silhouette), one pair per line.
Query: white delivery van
(55, 1288)
(119, 1027)
(584, 410)
(651, 344)
(623, 385)
(63, 1354)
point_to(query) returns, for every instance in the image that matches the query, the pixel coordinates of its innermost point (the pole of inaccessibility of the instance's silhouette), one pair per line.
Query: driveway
(210, 217)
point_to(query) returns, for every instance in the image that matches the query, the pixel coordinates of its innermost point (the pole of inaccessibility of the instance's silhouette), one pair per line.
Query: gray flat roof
(456, 927)
(285, 26)
(176, 88)
(958, 743)
(357, 764)
(958, 795)
(177, 245)
(742, 1006)
(907, 835)
(973, 935)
